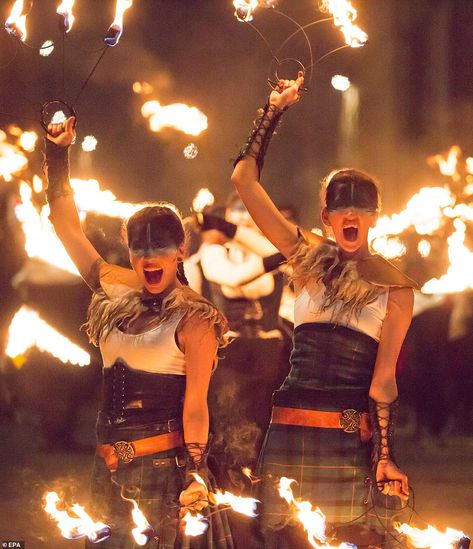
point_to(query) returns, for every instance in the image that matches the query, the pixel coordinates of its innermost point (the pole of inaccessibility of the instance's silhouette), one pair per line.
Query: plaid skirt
(154, 482)
(331, 470)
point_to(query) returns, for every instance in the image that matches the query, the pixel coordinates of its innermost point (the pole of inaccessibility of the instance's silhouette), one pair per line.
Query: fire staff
(352, 312)
(158, 341)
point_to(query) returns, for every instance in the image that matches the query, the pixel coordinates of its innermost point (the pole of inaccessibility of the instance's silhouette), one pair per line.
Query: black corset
(134, 396)
(331, 368)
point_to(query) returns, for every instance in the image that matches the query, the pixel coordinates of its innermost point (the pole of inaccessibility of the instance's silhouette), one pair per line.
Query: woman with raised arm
(352, 311)
(158, 341)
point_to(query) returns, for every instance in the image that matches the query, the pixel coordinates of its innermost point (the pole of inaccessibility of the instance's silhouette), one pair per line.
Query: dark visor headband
(342, 195)
(153, 235)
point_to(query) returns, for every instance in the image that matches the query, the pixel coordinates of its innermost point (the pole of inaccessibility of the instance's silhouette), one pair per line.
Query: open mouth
(153, 275)
(350, 233)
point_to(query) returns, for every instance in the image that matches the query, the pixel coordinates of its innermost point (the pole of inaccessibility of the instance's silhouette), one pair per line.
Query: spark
(190, 151)
(341, 83)
(47, 48)
(142, 88)
(89, 143)
(59, 117)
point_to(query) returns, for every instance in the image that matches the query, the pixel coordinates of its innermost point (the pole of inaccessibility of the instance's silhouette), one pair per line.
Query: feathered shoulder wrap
(345, 291)
(105, 313)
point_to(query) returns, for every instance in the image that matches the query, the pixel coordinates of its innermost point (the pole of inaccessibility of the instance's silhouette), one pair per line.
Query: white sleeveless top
(307, 309)
(154, 351)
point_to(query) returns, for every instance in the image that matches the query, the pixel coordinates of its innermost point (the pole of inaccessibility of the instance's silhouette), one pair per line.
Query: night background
(414, 80)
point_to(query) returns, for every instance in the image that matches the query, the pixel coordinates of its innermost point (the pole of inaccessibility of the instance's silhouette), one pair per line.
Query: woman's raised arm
(247, 172)
(64, 216)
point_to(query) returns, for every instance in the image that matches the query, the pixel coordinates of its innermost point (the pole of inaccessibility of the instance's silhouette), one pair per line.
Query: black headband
(344, 194)
(155, 232)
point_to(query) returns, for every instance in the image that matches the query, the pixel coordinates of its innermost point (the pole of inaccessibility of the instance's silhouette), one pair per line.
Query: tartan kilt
(155, 482)
(331, 470)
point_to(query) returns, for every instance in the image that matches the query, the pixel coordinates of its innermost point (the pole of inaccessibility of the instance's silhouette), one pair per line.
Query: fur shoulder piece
(345, 291)
(105, 313)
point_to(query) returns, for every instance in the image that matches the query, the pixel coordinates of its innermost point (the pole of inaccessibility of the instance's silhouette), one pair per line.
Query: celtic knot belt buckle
(350, 420)
(124, 451)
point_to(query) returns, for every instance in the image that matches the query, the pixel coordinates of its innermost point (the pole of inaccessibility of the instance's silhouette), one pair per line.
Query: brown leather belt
(127, 451)
(348, 420)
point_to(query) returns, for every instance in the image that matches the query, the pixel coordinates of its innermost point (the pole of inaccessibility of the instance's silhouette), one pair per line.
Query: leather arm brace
(57, 171)
(260, 136)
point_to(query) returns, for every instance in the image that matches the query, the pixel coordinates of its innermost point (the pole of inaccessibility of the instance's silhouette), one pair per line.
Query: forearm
(196, 425)
(219, 269)
(383, 390)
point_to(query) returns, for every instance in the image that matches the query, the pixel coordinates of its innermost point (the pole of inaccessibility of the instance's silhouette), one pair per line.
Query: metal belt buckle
(350, 420)
(124, 451)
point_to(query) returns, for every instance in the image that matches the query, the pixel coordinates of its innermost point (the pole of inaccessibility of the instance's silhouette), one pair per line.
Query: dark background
(414, 78)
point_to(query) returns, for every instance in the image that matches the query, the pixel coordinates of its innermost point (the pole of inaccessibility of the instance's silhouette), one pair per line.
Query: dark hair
(165, 224)
(348, 175)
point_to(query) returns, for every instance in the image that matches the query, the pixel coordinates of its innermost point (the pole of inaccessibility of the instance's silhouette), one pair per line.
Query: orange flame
(194, 525)
(65, 10)
(179, 116)
(448, 164)
(28, 330)
(344, 14)
(239, 504)
(142, 525)
(116, 28)
(430, 537)
(16, 22)
(244, 9)
(202, 199)
(74, 527)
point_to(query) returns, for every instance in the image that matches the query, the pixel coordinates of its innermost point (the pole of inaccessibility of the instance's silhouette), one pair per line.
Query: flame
(424, 248)
(389, 247)
(65, 10)
(28, 330)
(74, 527)
(448, 164)
(458, 276)
(244, 9)
(142, 88)
(27, 141)
(239, 504)
(179, 116)
(313, 520)
(344, 14)
(89, 143)
(202, 199)
(249, 474)
(430, 537)
(16, 22)
(195, 525)
(142, 525)
(12, 161)
(116, 28)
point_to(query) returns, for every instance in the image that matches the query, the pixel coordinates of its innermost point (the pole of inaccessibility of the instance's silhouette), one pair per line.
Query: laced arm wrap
(196, 462)
(260, 136)
(57, 170)
(383, 416)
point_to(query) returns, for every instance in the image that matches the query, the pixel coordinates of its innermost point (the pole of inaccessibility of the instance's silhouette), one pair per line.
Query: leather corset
(139, 397)
(331, 369)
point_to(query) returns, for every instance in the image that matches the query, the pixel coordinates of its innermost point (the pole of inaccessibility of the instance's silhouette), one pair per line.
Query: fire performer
(352, 312)
(158, 341)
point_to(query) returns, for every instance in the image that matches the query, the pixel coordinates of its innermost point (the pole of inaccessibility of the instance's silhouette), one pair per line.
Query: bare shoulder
(401, 299)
